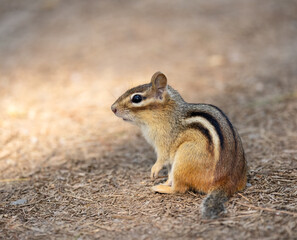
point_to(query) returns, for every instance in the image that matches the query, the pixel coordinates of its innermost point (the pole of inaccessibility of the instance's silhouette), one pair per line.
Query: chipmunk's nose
(114, 109)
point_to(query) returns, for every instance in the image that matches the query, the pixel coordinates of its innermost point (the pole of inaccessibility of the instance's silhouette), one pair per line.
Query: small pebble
(19, 202)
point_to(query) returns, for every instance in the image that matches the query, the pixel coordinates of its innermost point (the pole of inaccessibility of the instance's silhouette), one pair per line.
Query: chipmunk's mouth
(127, 120)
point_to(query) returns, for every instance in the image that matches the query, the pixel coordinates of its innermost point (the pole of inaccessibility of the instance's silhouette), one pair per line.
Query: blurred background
(63, 63)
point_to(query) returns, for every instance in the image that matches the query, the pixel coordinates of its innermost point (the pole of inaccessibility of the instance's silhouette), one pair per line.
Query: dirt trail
(70, 169)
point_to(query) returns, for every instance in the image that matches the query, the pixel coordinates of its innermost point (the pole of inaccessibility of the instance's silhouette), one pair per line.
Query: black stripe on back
(203, 130)
(229, 123)
(212, 121)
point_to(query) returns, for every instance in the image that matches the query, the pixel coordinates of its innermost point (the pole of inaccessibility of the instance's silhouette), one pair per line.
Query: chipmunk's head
(139, 102)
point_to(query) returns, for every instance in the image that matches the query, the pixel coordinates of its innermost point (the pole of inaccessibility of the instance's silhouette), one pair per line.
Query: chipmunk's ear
(159, 83)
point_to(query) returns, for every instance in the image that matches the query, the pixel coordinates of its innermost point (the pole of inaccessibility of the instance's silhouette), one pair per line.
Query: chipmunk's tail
(213, 204)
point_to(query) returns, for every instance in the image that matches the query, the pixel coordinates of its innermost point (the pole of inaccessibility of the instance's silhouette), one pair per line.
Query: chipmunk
(197, 141)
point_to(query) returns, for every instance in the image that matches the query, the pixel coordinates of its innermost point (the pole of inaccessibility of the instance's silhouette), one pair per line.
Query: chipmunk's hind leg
(213, 204)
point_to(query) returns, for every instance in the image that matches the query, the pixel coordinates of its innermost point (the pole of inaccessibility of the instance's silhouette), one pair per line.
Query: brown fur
(197, 140)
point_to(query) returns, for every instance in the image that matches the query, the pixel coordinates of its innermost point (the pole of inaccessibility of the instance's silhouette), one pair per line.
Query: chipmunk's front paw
(155, 170)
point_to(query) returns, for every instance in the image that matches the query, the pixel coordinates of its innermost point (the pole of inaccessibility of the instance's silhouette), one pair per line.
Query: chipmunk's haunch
(197, 141)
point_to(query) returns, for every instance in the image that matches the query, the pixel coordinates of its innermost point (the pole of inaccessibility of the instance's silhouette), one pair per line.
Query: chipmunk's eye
(137, 98)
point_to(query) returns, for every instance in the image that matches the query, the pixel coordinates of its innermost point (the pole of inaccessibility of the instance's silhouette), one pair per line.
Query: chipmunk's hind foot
(163, 189)
(213, 204)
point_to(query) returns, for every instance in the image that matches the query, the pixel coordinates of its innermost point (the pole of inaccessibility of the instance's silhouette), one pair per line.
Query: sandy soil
(69, 169)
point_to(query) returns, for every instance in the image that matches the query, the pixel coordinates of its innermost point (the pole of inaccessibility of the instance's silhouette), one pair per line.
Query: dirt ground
(69, 169)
